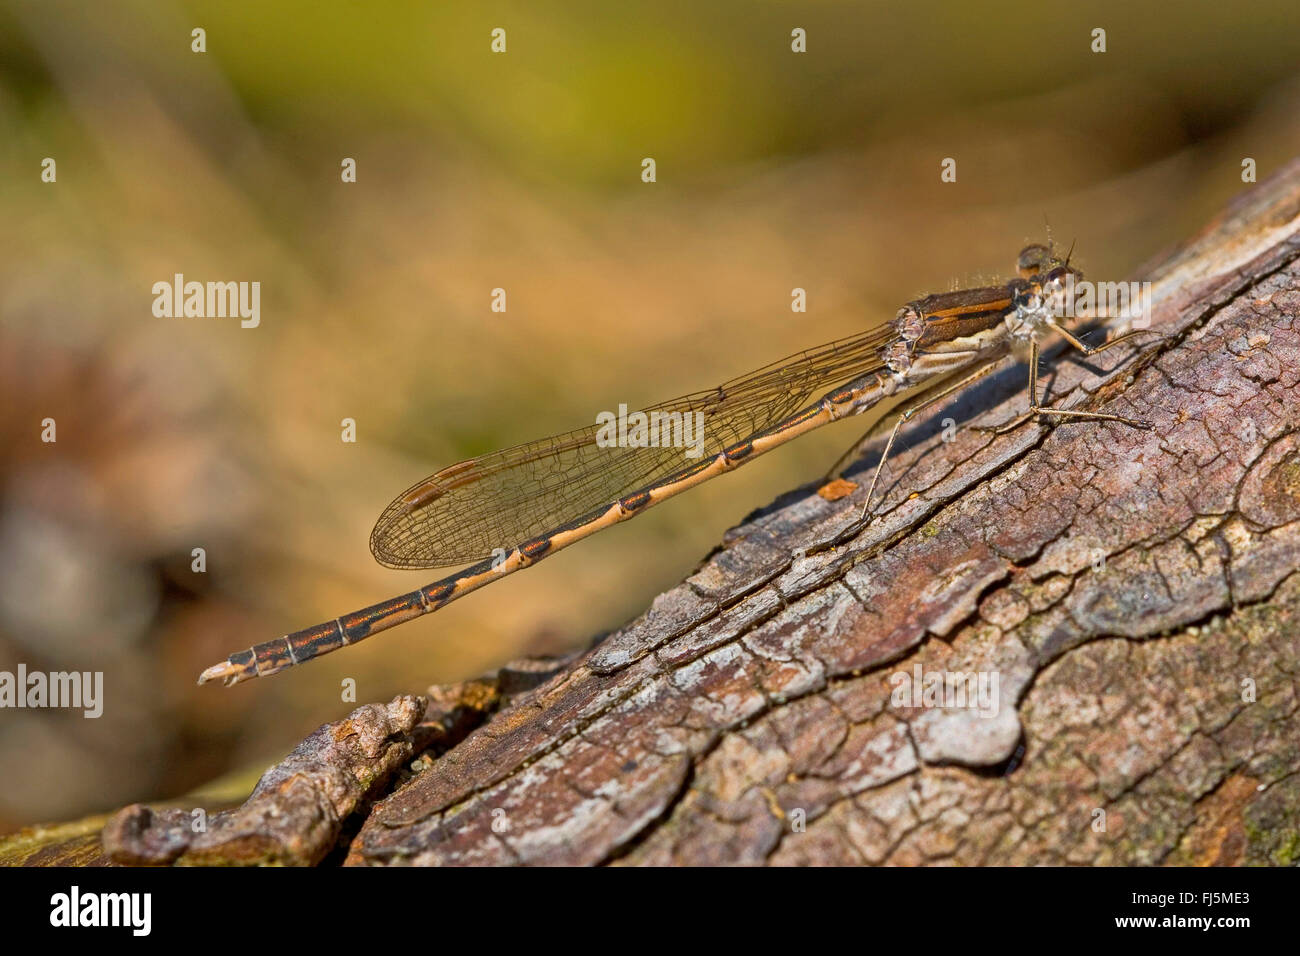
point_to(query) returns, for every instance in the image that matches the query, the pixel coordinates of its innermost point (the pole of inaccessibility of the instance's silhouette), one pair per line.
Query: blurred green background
(477, 170)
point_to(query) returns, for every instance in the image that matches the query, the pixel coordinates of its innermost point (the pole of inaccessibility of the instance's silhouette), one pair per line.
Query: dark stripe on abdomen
(315, 641)
(739, 451)
(359, 625)
(635, 501)
(272, 656)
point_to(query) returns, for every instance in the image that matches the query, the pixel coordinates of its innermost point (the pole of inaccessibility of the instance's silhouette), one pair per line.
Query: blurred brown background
(478, 170)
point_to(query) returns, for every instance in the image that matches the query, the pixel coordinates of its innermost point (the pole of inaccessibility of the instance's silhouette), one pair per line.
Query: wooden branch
(1130, 598)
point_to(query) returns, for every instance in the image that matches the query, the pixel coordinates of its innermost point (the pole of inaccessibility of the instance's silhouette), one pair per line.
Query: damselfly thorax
(507, 510)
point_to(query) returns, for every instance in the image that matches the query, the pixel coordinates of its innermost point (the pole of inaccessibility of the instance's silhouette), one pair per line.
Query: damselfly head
(1038, 260)
(1053, 292)
(1047, 284)
(1045, 296)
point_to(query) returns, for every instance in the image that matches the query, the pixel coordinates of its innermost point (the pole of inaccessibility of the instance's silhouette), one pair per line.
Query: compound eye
(1033, 259)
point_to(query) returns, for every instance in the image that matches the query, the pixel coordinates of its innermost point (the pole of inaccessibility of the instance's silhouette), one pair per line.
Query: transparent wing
(499, 500)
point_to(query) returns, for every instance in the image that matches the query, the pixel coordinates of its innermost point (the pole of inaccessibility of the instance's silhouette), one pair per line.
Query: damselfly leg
(911, 410)
(1036, 409)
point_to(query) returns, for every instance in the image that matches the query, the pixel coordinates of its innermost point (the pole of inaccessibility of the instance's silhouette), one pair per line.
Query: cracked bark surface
(1136, 594)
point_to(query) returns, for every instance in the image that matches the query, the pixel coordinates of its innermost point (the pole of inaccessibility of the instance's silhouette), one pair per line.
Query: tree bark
(1133, 597)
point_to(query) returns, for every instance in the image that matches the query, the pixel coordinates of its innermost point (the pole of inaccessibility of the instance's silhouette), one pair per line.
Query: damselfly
(508, 510)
